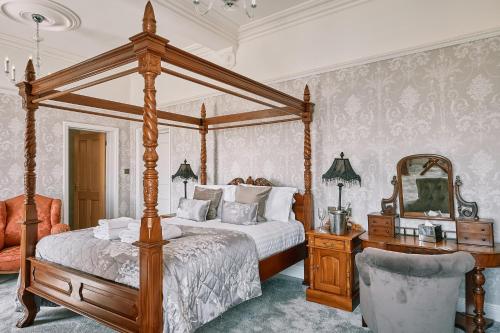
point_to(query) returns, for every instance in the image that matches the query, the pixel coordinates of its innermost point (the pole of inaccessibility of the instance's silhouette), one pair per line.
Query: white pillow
(279, 204)
(228, 194)
(191, 209)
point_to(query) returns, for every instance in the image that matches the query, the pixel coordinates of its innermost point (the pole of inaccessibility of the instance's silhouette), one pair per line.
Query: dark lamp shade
(185, 172)
(341, 171)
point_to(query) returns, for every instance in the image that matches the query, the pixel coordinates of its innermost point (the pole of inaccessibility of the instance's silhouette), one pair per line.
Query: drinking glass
(321, 216)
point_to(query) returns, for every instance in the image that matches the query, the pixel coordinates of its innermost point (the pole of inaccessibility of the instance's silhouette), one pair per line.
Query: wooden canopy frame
(121, 307)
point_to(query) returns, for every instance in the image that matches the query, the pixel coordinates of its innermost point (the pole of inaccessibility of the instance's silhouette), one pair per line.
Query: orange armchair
(11, 213)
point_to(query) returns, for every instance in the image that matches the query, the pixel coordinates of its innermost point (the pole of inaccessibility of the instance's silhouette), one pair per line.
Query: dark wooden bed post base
(149, 47)
(29, 227)
(308, 200)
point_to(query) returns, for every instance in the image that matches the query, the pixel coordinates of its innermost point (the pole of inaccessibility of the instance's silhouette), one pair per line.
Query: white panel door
(164, 173)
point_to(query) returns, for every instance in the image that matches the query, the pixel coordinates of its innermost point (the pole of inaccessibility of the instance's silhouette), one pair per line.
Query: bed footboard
(112, 304)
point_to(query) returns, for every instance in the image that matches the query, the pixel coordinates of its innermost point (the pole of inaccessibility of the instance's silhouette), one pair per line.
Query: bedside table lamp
(341, 172)
(185, 173)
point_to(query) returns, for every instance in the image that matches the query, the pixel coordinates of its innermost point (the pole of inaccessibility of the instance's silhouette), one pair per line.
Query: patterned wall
(49, 169)
(444, 101)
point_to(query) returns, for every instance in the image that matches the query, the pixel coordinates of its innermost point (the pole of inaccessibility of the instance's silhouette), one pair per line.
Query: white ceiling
(108, 24)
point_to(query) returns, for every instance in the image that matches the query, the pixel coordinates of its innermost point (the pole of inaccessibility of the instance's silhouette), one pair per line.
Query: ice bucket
(338, 222)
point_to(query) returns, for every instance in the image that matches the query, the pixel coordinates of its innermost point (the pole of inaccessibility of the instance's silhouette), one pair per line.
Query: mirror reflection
(426, 187)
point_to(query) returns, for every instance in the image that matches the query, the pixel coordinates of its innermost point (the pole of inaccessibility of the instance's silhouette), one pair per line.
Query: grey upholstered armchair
(410, 293)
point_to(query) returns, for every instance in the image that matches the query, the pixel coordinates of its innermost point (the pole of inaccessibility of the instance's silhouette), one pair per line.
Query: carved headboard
(298, 205)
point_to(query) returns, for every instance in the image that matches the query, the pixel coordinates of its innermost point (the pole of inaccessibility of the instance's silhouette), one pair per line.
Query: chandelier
(228, 5)
(10, 69)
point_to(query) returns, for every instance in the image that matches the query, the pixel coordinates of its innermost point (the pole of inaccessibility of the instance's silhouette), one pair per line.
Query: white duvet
(270, 237)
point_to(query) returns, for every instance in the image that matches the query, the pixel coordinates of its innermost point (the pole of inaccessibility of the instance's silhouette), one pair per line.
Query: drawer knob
(482, 230)
(465, 237)
(484, 239)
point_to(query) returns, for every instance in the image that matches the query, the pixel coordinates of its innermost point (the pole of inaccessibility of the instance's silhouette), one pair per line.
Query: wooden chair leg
(27, 300)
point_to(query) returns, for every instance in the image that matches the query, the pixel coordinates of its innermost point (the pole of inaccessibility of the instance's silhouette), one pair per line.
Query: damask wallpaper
(444, 101)
(49, 132)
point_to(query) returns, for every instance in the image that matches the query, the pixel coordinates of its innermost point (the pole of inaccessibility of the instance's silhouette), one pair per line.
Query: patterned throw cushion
(239, 213)
(191, 209)
(214, 195)
(251, 194)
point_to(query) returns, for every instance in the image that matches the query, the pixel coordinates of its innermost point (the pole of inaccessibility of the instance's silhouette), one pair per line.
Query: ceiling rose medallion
(56, 16)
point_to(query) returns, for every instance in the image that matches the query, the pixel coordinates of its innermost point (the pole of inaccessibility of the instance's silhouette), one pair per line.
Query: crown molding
(304, 12)
(46, 51)
(358, 62)
(215, 22)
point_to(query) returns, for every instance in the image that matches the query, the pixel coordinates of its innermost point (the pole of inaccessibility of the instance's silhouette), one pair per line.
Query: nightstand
(333, 274)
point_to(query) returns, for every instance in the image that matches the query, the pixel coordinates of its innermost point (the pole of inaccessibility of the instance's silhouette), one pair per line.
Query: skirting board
(492, 310)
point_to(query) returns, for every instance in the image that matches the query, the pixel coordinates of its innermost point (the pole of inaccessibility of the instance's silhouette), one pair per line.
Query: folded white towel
(136, 225)
(168, 232)
(118, 223)
(108, 234)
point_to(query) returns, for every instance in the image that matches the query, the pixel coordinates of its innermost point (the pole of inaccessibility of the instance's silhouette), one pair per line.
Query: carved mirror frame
(451, 196)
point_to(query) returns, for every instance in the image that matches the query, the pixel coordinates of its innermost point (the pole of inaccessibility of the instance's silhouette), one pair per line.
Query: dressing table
(433, 199)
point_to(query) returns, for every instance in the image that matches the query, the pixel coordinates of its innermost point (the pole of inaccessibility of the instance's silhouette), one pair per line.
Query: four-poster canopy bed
(118, 306)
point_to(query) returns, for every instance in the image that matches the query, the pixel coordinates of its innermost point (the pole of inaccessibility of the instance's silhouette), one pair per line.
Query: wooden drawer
(475, 233)
(380, 231)
(473, 227)
(475, 239)
(379, 221)
(329, 243)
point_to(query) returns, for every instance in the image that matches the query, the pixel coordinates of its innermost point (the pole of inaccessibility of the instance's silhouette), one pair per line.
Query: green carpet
(281, 308)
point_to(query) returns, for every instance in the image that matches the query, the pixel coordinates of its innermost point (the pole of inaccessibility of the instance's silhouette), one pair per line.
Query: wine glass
(321, 216)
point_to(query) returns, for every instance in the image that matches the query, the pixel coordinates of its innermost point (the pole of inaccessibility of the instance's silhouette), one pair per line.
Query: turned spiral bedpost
(308, 200)
(149, 49)
(29, 225)
(203, 155)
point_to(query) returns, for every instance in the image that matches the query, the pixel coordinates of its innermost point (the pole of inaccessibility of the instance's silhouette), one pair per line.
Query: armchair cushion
(9, 259)
(48, 211)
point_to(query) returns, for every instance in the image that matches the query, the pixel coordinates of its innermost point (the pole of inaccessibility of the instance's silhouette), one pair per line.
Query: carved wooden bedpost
(149, 47)
(308, 200)
(29, 226)
(203, 157)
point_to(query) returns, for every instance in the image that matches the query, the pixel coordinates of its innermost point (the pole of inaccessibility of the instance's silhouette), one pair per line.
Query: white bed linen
(270, 237)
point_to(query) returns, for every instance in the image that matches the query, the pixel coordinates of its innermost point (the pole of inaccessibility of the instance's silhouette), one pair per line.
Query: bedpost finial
(307, 94)
(29, 72)
(203, 111)
(149, 21)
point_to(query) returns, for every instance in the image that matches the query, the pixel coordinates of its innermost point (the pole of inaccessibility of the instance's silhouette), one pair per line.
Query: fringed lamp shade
(341, 172)
(186, 174)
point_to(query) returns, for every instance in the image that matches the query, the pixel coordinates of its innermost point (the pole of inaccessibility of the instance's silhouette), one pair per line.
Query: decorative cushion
(191, 209)
(10, 259)
(251, 194)
(228, 194)
(239, 213)
(279, 204)
(213, 195)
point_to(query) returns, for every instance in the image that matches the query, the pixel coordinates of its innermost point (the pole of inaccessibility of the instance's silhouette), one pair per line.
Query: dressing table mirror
(426, 187)
(423, 188)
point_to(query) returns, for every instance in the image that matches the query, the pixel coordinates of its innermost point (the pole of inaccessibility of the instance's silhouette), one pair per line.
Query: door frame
(139, 168)
(112, 165)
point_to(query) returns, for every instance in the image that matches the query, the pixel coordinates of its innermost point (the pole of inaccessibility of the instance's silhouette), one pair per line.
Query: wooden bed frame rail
(121, 307)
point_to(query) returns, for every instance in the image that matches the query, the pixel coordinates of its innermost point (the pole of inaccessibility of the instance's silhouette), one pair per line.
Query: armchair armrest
(59, 228)
(3, 223)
